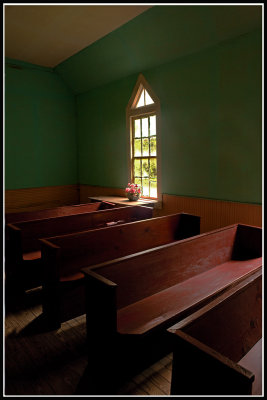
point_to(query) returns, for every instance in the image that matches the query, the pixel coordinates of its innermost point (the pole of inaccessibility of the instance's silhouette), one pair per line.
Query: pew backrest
(28, 232)
(140, 275)
(11, 218)
(90, 247)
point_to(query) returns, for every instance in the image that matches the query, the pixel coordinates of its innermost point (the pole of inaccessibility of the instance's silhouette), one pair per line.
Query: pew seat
(72, 277)
(131, 301)
(32, 255)
(169, 304)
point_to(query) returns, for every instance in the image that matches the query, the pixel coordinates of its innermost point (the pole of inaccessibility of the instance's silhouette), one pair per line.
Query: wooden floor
(39, 362)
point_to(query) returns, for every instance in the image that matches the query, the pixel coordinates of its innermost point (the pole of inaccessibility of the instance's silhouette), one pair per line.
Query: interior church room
(132, 199)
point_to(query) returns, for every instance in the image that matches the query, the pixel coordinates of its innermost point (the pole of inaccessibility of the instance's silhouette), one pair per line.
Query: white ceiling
(46, 35)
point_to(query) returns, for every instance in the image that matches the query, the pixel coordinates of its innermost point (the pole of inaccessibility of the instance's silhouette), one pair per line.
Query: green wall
(159, 35)
(211, 124)
(40, 128)
(68, 125)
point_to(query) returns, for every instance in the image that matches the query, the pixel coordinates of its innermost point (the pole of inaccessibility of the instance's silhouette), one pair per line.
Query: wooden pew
(11, 218)
(64, 256)
(24, 258)
(135, 298)
(218, 349)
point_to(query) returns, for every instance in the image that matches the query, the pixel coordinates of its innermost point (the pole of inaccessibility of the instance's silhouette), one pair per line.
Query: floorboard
(39, 362)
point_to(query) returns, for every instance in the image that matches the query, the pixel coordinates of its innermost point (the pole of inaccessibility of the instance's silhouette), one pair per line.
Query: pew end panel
(13, 256)
(50, 278)
(102, 293)
(248, 242)
(217, 349)
(189, 225)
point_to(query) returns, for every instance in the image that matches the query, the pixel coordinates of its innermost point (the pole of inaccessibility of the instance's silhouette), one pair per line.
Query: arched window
(143, 122)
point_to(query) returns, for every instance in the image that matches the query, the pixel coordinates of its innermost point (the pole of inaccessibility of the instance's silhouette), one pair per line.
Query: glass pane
(148, 99)
(145, 187)
(153, 125)
(145, 147)
(153, 188)
(141, 101)
(137, 168)
(145, 168)
(153, 168)
(153, 146)
(138, 181)
(137, 130)
(137, 147)
(144, 127)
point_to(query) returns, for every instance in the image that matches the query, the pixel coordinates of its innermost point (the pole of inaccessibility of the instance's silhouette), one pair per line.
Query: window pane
(141, 101)
(137, 130)
(137, 147)
(153, 188)
(148, 99)
(153, 146)
(137, 168)
(138, 181)
(145, 168)
(153, 168)
(144, 127)
(153, 125)
(145, 147)
(145, 187)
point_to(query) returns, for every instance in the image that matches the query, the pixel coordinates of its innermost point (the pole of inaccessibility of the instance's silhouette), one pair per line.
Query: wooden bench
(64, 256)
(12, 218)
(24, 256)
(143, 294)
(218, 349)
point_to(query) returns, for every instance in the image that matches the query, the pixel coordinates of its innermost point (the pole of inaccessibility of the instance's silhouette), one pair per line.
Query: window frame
(133, 113)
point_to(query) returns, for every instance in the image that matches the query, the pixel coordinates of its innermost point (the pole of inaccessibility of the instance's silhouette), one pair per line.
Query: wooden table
(123, 201)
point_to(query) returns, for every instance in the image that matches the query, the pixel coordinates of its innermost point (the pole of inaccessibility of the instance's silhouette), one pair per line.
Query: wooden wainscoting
(32, 199)
(214, 213)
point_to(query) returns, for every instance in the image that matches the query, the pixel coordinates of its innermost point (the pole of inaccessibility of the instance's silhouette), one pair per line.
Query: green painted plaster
(211, 124)
(40, 142)
(102, 134)
(159, 35)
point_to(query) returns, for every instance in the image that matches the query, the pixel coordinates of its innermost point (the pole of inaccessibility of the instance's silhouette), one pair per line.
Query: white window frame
(132, 113)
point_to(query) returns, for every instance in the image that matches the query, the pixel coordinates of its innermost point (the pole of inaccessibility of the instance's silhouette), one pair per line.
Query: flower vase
(133, 197)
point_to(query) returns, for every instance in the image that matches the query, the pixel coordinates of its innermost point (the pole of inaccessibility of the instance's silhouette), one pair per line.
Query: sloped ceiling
(158, 35)
(46, 35)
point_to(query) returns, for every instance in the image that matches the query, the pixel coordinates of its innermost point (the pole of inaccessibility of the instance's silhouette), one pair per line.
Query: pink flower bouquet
(133, 191)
